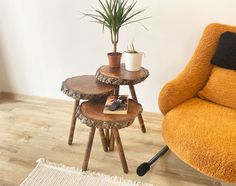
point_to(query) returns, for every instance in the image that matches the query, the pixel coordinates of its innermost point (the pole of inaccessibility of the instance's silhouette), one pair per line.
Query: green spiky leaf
(115, 14)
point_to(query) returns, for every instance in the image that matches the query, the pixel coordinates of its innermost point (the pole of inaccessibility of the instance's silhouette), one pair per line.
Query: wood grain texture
(91, 114)
(32, 128)
(120, 76)
(86, 87)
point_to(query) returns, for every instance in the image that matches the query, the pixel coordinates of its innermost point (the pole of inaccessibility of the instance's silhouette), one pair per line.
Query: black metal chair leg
(145, 167)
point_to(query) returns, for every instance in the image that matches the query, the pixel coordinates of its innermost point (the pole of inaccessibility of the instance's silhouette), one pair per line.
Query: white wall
(44, 41)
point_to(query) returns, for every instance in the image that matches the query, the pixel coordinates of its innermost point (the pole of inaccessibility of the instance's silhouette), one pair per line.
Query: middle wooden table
(120, 76)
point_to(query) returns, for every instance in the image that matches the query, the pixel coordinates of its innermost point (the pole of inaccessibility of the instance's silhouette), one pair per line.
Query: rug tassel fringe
(43, 161)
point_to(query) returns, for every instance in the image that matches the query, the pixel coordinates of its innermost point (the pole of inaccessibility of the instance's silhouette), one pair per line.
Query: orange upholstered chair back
(195, 75)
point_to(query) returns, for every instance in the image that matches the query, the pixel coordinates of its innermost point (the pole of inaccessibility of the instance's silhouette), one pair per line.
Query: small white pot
(133, 62)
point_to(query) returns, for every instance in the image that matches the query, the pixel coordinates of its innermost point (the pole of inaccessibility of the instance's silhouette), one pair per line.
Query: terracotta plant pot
(114, 59)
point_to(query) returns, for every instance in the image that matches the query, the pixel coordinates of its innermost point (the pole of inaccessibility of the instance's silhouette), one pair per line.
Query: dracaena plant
(115, 14)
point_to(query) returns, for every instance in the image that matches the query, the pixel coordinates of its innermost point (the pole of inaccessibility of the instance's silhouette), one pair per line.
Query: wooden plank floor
(38, 128)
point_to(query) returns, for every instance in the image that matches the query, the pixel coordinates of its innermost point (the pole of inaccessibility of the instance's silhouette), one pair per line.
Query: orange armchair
(201, 133)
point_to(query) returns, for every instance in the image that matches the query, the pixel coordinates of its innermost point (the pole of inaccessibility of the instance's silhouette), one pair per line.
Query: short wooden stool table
(84, 88)
(120, 76)
(91, 113)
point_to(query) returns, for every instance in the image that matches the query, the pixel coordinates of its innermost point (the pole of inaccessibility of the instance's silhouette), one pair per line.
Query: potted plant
(113, 15)
(133, 59)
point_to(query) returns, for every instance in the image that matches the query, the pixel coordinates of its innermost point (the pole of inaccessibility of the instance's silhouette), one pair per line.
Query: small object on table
(116, 105)
(120, 76)
(91, 113)
(84, 88)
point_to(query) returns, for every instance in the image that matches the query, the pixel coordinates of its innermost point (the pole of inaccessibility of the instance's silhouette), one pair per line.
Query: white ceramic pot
(133, 62)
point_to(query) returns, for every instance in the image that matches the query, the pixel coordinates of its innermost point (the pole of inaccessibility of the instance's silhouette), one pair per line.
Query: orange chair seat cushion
(221, 87)
(203, 134)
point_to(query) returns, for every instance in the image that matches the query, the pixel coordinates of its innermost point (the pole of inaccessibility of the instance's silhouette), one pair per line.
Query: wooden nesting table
(91, 113)
(95, 90)
(120, 76)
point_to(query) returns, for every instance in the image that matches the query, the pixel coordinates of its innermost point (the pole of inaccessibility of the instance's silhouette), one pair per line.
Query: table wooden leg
(73, 123)
(140, 117)
(103, 139)
(120, 149)
(107, 135)
(88, 149)
(112, 141)
(117, 90)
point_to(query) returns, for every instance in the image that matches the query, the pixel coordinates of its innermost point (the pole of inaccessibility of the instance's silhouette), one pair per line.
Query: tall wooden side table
(120, 76)
(91, 113)
(84, 88)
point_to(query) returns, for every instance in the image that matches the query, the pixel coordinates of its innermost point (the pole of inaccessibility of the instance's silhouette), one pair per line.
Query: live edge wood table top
(91, 113)
(120, 76)
(85, 87)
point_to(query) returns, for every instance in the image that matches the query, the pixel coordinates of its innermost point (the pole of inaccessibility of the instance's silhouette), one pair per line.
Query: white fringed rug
(48, 173)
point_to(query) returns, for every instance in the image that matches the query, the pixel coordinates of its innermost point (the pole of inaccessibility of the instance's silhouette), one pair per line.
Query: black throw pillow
(225, 55)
